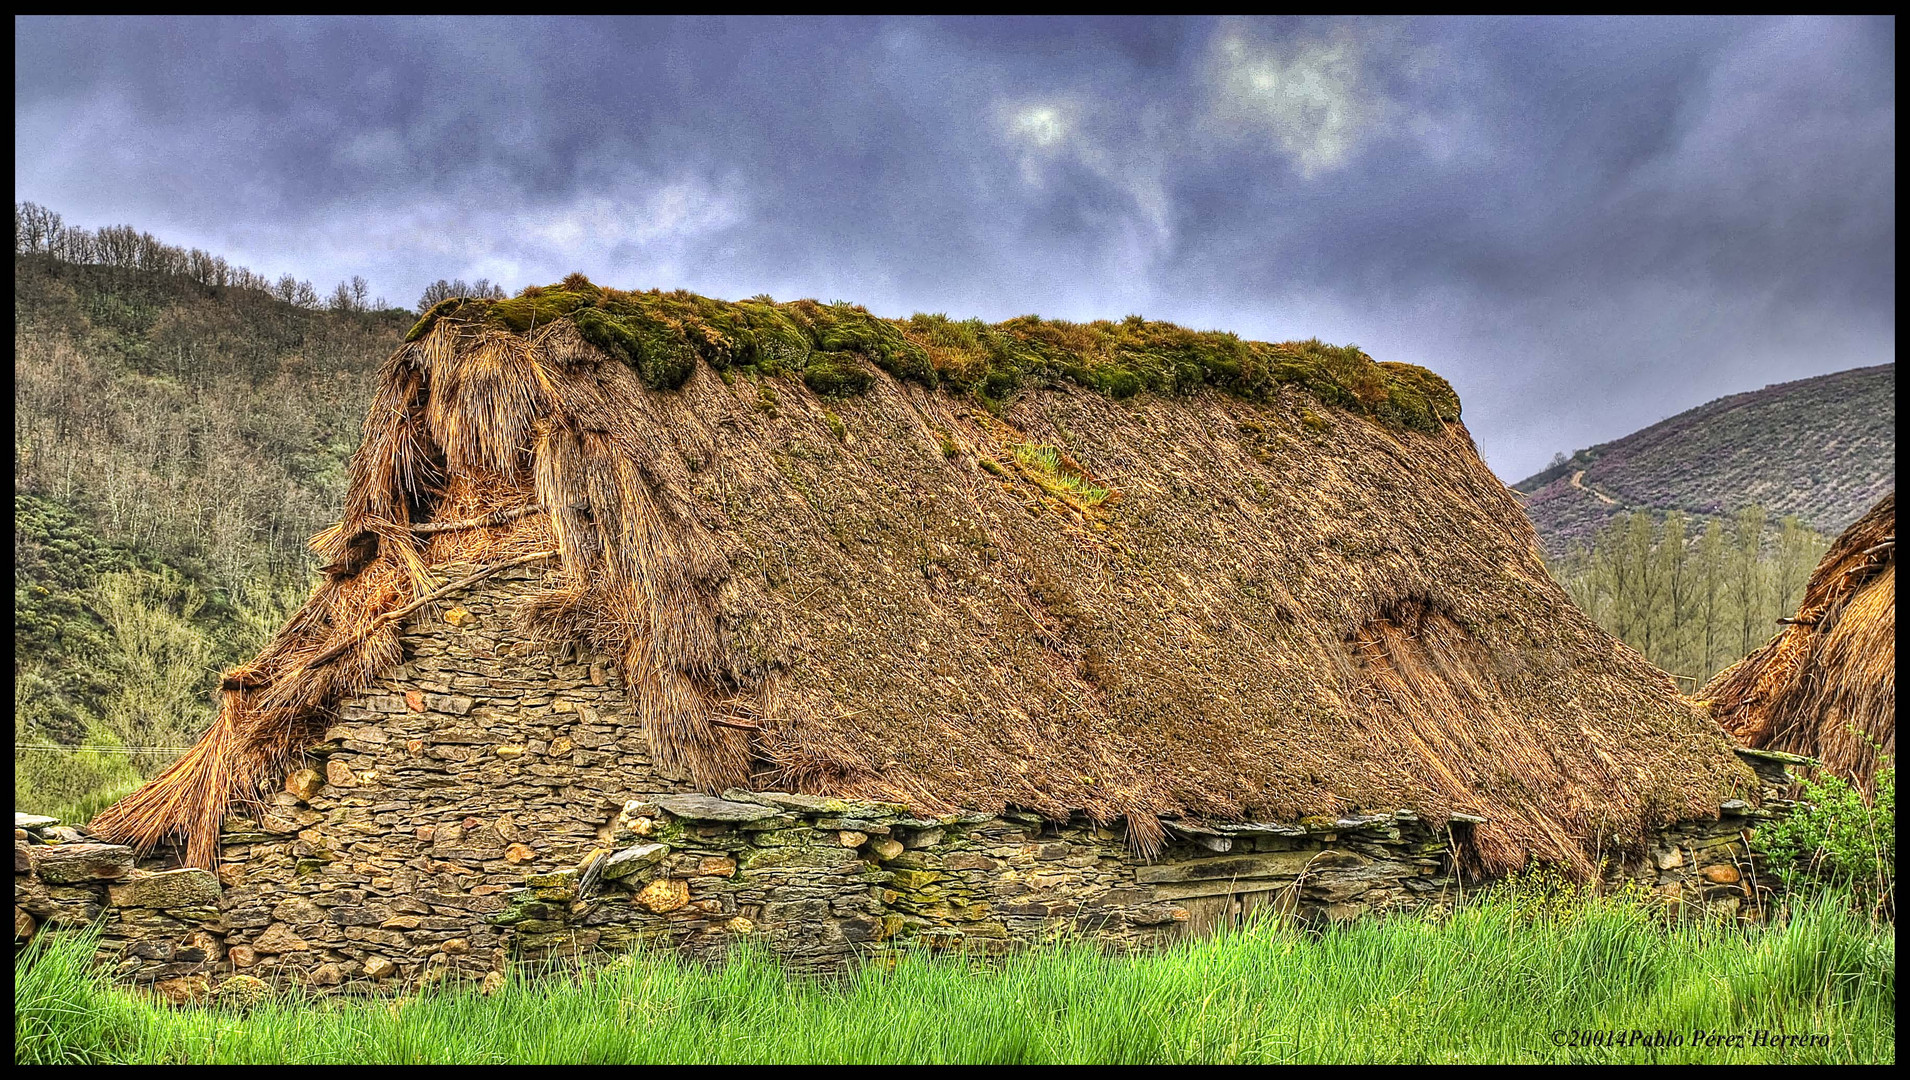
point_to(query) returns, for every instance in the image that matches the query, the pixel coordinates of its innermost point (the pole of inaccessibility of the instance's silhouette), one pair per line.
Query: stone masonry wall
(489, 803)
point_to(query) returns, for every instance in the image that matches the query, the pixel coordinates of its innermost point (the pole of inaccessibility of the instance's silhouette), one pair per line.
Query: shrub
(1834, 838)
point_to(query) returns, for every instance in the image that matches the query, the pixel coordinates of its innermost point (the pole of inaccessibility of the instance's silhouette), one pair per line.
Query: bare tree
(441, 290)
(35, 229)
(436, 293)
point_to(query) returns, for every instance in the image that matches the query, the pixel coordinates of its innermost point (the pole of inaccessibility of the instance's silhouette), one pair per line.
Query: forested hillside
(1822, 449)
(181, 426)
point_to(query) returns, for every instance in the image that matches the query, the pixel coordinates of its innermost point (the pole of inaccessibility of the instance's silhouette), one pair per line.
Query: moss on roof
(831, 346)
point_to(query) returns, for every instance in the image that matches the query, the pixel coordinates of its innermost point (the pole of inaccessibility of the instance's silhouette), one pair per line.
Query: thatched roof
(1120, 568)
(1826, 685)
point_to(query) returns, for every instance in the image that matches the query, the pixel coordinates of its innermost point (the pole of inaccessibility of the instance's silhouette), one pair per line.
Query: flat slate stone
(711, 808)
(632, 859)
(70, 863)
(1260, 828)
(31, 822)
(802, 804)
(1280, 864)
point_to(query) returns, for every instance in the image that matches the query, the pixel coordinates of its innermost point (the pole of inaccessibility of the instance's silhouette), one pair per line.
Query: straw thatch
(1826, 685)
(1118, 568)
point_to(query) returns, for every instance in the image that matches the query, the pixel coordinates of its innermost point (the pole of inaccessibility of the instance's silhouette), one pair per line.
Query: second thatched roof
(1826, 685)
(1120, 568)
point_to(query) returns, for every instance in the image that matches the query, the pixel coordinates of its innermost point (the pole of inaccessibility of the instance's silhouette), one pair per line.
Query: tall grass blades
(1503, 980)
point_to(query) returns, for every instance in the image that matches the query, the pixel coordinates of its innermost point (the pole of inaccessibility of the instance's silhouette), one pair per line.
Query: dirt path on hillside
(1593, 492)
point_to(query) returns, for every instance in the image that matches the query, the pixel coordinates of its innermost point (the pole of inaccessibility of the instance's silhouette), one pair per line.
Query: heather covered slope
(1822, 448)
(1256, 591)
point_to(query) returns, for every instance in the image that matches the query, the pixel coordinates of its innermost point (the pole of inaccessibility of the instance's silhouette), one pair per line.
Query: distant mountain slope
(1824, 449)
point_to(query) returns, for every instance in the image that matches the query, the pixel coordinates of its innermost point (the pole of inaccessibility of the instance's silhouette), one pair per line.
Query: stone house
(658, 618)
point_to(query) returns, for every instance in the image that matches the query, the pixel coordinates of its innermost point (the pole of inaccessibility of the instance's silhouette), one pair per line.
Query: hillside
(1823, 449)
(175, 444)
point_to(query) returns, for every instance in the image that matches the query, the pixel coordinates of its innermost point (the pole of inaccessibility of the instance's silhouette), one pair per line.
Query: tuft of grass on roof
(1059, 475)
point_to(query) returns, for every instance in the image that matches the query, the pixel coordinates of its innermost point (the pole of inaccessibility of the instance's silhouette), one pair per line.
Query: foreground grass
(1492, 983)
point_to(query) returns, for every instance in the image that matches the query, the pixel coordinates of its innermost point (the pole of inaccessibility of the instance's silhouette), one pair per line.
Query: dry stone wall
(490, 803)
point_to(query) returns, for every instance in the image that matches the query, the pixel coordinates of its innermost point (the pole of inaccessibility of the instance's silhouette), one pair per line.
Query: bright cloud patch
(1309, 97)
(1040, 125)
(670, 211)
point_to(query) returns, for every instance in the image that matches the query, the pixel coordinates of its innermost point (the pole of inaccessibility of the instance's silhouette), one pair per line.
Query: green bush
(1835, 838)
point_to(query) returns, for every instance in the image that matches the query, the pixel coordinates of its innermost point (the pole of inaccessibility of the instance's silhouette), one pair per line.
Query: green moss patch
(834, 348)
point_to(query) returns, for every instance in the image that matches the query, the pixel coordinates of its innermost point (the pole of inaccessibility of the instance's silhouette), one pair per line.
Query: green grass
(1058, 475)
(1492, 983)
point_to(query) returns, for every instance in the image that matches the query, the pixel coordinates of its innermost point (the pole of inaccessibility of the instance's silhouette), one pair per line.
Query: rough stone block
(168, 889)
(279, 938)
(1270, 864)
(185, 990)
(244, 990)
(68, 863)
(664, 895)
(304, 783)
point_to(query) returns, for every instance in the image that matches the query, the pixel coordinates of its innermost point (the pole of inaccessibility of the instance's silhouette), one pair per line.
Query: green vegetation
(1834, 839)
(1692, 604)
(1058, 474)
(1822, 450)
(832, 346)
(1505, 980)
(176, 440)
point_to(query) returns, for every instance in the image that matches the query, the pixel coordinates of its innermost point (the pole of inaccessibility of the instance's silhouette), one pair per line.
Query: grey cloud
(1585, 224)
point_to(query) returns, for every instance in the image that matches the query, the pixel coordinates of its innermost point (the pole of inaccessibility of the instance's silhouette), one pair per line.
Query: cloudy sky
(1585, 225)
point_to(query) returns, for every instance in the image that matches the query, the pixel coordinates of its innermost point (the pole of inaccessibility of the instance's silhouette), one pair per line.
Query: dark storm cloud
(1586, 225)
